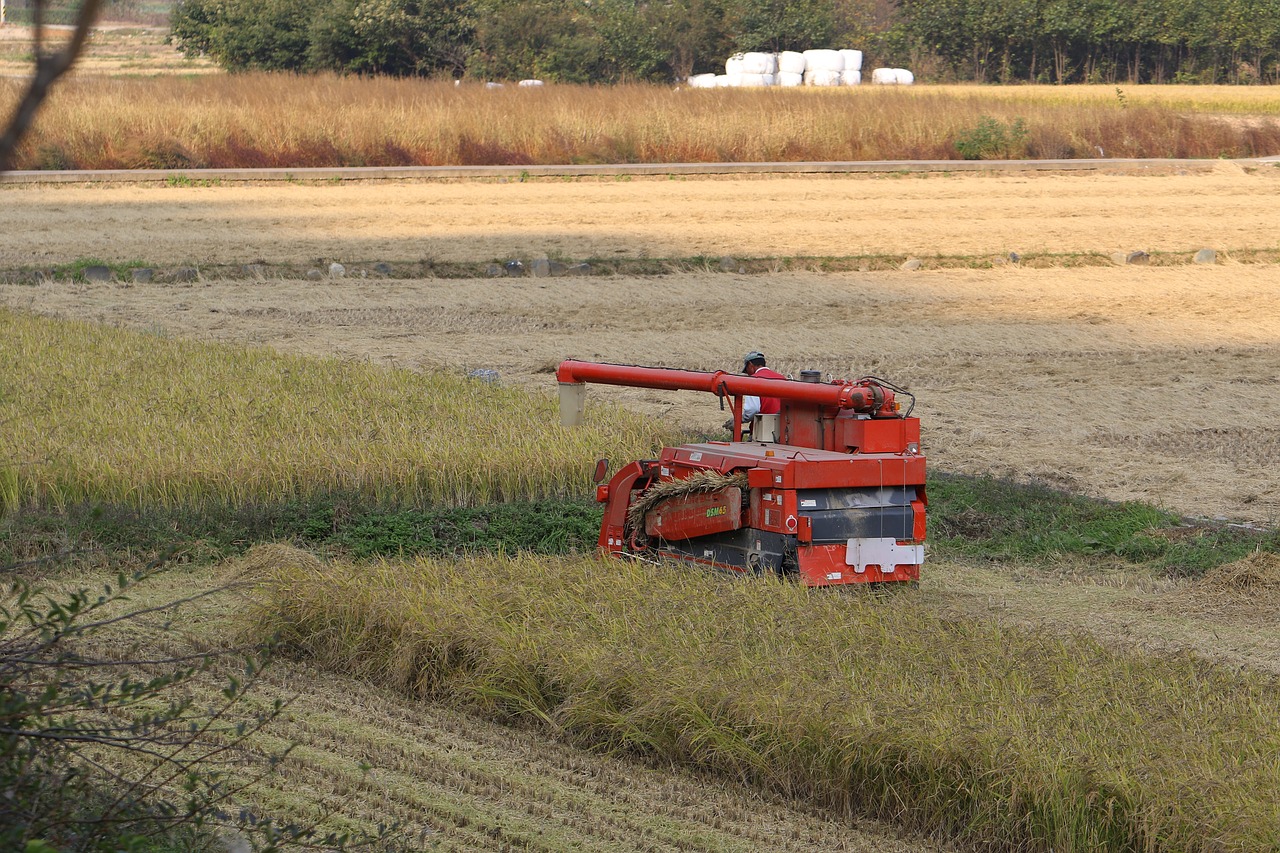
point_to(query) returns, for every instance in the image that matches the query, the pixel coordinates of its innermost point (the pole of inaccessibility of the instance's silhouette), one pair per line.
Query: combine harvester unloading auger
(829, 491)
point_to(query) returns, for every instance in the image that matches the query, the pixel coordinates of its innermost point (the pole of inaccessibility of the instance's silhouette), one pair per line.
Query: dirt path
(982, 215)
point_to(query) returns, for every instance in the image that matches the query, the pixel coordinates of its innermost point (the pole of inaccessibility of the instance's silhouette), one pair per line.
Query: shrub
(992, 139)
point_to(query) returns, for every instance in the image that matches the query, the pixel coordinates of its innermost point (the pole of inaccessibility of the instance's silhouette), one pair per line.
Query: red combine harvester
(830, 491)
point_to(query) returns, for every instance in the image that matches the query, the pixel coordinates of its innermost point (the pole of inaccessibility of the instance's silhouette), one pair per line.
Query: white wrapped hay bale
(529, 83)
(823, 60)
(850, 78)
(790, 78)
(904, 77)
(759, 63)
(722, 81)
(702, 81)
(852, 60)
(753, 80)
(820, 77)
(735, 80)
(884, 76)
(735, 64)
(791, 62)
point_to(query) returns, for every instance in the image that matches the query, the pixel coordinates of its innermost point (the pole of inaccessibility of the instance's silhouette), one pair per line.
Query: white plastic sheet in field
(791, 62)
(852, 60)
(821, 77)
(759, 63)
(823, 60)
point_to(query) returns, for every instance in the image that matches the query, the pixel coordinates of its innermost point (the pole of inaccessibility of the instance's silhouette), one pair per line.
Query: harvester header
(831, 490)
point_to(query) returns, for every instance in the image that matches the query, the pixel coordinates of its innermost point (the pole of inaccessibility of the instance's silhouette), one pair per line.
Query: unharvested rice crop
(99, 414)
(1022, 739)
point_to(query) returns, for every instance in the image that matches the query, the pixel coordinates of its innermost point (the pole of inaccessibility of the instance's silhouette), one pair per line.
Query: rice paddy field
(1045, 699)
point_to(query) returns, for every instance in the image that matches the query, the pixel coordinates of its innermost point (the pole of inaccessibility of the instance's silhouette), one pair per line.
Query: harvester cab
(829, 491)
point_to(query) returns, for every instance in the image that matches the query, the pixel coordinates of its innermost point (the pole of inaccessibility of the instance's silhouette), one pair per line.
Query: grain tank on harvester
(829, 491)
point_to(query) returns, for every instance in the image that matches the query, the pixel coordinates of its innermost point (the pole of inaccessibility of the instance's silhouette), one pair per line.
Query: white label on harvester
(696, 456)
(666, 472)
(885, 553)
(834, 576)
(808, 503)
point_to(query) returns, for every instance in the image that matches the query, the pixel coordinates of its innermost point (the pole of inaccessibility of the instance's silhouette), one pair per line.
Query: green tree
(775, 25)
(396, 37)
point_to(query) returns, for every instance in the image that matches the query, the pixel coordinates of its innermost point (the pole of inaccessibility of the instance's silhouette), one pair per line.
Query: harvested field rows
(458, 782)
(983, 216)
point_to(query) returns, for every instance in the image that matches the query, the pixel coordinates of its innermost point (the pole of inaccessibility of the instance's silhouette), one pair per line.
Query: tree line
(608, 41)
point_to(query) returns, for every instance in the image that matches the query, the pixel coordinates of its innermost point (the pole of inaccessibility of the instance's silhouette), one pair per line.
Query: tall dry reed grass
(1018, 739)
(263, 120)
(98, 414)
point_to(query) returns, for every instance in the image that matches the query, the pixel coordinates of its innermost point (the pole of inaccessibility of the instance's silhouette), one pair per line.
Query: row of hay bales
(794, 68)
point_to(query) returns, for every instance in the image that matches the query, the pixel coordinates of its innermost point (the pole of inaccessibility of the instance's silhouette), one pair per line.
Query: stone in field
(579, 269)
(143, 275)
(911, 264)
(1206, 256)
(314, 275)
(494, 271)
(484, 375)
(540, 268)
(97, 272)
(728, 264)
(184, 274)
(337, 270)
(255, 271)
(382, 269)
(1138, 258)
(556, 268)
(514, 268)
(1014, 257)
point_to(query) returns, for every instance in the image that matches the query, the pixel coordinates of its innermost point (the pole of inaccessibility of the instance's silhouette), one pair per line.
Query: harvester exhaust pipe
(573, 403)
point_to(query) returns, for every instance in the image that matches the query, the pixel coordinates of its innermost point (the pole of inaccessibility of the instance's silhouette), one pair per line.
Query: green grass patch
(969, 517)
(74, 271)
(1004, 521)
(121, 535)
(1013, 739)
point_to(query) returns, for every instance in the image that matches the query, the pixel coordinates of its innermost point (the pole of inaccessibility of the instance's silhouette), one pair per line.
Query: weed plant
(285, 121)
(109, 416)
(988, 734)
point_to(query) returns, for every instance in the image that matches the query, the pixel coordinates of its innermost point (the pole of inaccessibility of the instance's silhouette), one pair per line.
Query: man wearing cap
(753, 365)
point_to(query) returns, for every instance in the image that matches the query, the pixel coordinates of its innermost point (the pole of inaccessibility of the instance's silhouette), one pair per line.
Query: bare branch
(49, 67)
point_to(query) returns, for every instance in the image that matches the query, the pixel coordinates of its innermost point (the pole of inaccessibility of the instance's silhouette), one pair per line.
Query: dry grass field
(134, 102)
(118, 50)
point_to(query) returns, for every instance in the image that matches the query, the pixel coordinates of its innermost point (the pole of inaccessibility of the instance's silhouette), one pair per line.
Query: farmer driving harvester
(753, 364)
